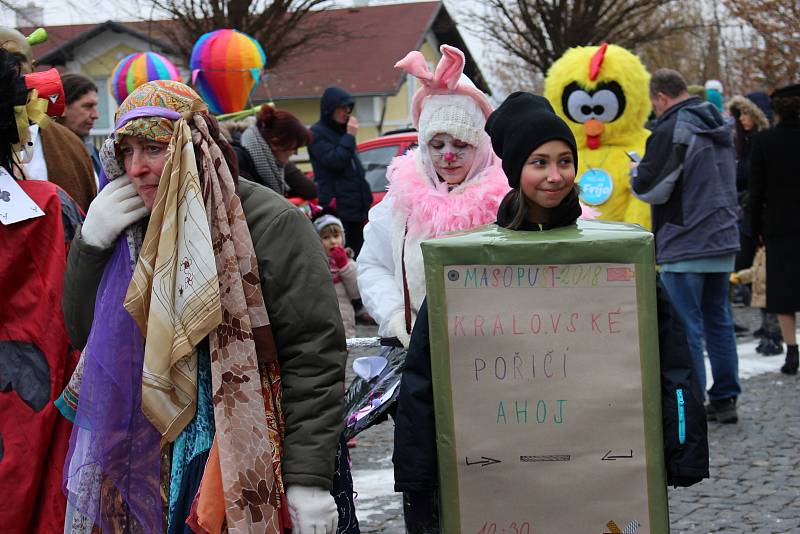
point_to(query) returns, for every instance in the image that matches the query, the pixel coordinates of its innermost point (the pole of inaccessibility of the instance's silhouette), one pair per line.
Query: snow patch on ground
(371, 485)
(751, 363)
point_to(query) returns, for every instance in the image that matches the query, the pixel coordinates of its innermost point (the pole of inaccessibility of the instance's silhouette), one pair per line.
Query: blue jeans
(701, 300)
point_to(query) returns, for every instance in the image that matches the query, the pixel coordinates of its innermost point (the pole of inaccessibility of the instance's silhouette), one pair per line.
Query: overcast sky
(57, 12)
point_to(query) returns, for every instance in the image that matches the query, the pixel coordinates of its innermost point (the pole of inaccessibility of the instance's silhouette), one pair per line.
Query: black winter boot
(791, 364)
(769, 347)
(724, 410)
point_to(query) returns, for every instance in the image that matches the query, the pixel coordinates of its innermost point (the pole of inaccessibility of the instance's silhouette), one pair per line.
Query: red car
(376, 154)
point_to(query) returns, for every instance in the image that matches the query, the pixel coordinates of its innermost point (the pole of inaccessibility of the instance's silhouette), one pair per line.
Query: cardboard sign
(546, 380)
(15, 204)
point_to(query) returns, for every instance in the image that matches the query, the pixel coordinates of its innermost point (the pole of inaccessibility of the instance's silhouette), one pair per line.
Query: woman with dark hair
(774, 190)
(36, 358)
(266, 148)
(750, 120)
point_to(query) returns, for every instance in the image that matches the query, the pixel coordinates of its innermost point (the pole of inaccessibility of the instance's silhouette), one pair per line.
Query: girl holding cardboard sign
(539, 157)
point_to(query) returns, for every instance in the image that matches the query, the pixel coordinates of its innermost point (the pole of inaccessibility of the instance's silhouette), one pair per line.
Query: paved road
(755, 465)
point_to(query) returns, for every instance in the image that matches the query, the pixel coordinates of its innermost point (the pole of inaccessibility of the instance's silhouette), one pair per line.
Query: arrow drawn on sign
(609, 456)
(483, 462)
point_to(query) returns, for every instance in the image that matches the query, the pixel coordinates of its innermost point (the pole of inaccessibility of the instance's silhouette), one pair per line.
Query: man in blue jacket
(337, 169)
(688, 175)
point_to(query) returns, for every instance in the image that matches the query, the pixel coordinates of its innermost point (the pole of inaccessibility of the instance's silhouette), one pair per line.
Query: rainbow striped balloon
(226, 66)
(139, 68)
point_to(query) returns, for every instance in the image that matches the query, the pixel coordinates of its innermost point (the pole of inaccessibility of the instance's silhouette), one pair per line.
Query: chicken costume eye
(606, 103)
(578, 105)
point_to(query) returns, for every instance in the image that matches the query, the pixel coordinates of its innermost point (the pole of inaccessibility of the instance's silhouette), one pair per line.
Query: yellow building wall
(103, 65)
(398, 107)
(305, 110)
(308, 113)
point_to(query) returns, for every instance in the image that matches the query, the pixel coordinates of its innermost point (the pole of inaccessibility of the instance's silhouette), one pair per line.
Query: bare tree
(281, 26)
(769, 55)
(694, 52)
(538, 32)
(512, 74)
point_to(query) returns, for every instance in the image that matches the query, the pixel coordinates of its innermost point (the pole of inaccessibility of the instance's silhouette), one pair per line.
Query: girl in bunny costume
(452, 181)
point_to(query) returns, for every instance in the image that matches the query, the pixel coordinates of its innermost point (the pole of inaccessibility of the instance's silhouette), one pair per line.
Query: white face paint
(452, 159)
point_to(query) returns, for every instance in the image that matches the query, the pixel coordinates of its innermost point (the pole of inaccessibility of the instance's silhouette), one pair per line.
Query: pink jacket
(347, 290)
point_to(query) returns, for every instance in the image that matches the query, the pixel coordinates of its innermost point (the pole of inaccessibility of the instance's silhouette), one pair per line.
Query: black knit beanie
(522, 123)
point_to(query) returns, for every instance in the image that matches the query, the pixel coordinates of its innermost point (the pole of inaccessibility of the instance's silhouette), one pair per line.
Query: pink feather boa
(432, 211)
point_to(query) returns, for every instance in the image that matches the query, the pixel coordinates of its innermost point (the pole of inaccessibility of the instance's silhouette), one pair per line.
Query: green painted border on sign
(586, 242)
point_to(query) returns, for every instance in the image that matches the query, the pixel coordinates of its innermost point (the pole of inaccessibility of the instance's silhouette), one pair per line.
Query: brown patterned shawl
(250, 480)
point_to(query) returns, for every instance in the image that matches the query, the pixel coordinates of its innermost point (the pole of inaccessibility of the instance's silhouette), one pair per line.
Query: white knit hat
(456, 115)
(327, 220)
(714, 84)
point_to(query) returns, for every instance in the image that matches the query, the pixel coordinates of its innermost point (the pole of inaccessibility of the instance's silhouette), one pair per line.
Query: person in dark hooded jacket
(337, 168)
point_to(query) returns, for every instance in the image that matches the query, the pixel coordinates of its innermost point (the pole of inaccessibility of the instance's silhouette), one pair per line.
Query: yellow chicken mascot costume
(602, 92)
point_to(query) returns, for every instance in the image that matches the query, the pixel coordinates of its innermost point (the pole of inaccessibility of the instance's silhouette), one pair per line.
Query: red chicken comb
(597, 61)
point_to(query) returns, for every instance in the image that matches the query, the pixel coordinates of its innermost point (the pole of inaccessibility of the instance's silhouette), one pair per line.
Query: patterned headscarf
(177, 296)
(163, 94)
(159, 94)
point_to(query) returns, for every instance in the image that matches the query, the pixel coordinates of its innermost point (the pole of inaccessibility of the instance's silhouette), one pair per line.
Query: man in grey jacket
(688, 175)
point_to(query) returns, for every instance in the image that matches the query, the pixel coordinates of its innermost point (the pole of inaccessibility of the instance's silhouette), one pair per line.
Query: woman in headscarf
(194, 323)
(452, 181)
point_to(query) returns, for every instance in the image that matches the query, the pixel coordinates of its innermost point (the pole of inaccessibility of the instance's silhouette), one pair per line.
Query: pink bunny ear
(414, 63)
(446, 79)
(450, 67)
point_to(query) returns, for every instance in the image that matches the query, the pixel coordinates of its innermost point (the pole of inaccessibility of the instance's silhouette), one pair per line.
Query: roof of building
(62, 40)
(361, 61)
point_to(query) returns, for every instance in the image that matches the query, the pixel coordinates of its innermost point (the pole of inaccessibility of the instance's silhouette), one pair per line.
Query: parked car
(376, 154)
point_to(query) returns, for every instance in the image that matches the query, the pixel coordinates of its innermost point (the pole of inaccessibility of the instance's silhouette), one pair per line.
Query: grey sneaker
(724, 410)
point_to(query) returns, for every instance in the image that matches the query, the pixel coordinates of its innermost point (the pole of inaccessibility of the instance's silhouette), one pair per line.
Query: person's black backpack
(683, 413)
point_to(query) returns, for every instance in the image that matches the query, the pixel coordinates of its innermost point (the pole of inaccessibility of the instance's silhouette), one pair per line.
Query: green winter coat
(304, 315)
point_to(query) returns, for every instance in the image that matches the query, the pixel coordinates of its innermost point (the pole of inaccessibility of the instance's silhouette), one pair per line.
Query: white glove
(115, 208)
(312, 509)
(397, 327)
